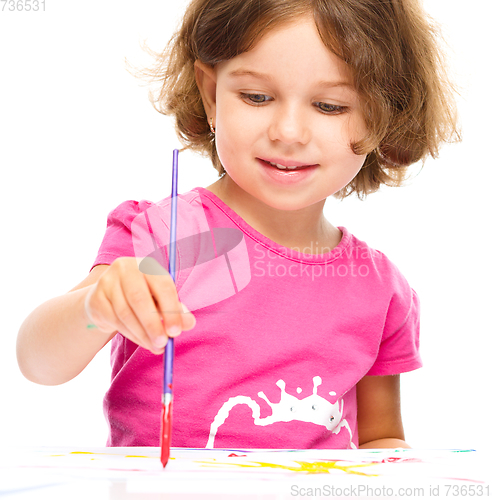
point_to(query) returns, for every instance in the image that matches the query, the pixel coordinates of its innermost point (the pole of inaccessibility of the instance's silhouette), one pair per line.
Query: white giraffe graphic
(313, 409)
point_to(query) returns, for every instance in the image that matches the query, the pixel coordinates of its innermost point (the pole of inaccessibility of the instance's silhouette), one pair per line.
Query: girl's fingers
(127, 305)
(134, 306)
(167, 303)
(143, 307)
(102, 313)
(163, 290)
(147, 345)
(188, 319)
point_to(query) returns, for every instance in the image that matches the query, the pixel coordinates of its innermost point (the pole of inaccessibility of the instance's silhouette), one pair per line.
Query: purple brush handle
(169, 352)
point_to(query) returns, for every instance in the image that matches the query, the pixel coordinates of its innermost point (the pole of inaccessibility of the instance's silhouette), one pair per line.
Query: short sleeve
(399, 347)
(117, 240)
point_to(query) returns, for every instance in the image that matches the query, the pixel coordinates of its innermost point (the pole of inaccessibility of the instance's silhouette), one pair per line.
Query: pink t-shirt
(282, 335)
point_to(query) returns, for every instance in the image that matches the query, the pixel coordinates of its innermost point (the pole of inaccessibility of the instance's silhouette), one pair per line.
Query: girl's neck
(305, 229)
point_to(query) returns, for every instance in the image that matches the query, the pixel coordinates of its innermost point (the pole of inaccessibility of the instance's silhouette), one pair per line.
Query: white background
(79, 136)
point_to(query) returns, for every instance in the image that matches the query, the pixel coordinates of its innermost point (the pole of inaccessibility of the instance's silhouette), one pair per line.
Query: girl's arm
(55, 343)
(378, 413)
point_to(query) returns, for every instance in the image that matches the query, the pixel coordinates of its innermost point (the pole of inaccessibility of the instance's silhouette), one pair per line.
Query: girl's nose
(289, 125)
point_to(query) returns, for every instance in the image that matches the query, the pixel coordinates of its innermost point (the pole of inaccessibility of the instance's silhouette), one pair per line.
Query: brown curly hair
(391, 46)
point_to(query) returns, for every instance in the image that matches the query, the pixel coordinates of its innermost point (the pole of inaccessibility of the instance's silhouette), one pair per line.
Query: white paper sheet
(274, 474)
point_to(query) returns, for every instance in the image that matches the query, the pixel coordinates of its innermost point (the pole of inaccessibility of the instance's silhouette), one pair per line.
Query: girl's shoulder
(126, 212)
(382, 267)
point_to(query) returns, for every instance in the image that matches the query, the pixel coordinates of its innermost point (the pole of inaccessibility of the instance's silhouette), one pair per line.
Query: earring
(212, 125)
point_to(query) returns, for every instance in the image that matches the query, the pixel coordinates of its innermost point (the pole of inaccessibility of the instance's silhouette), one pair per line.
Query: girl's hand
(143, 307)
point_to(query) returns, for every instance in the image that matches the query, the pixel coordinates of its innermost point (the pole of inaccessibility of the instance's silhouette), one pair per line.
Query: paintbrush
(167, 392)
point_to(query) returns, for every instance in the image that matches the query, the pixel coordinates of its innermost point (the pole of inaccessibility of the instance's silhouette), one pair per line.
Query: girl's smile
(285, 116)
(286, 171)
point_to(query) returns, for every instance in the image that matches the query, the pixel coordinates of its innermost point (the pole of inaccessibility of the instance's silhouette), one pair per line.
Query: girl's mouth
(286, 174)
(288, 166)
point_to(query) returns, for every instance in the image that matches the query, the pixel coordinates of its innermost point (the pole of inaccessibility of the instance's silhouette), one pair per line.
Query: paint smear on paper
(306, 467)
(106, 454)
(400, 459)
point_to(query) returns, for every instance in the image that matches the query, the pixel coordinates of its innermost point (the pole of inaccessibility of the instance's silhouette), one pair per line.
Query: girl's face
(287, 102)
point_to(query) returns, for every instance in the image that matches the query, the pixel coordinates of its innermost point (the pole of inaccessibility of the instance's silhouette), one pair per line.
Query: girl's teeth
(283, 167)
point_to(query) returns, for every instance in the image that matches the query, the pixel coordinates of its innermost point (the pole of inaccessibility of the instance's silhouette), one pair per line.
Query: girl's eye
(331, 109)
(255, 98)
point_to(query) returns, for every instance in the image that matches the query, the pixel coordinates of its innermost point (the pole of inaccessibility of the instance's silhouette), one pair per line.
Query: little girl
(290, 332)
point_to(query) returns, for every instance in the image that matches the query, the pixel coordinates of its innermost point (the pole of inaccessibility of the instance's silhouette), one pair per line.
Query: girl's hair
(391, 46)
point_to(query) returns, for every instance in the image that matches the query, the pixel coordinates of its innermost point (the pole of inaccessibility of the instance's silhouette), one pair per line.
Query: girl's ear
(206, 80)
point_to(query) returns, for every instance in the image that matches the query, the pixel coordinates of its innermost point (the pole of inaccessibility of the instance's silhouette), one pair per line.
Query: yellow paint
(107, 454)
(113, 454)
(307, 467)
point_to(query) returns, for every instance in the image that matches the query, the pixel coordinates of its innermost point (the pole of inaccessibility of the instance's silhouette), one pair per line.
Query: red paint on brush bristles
(166, 418)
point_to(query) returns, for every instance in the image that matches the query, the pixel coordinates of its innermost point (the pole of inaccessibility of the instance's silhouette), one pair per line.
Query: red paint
(400, 459)
(234, 455)
(166, 432)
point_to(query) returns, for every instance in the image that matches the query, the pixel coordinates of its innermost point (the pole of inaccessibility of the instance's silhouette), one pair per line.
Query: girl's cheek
(358, 126)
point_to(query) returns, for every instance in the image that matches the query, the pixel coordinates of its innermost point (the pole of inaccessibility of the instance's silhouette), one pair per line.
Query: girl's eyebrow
(264, 76)
(247, 72)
